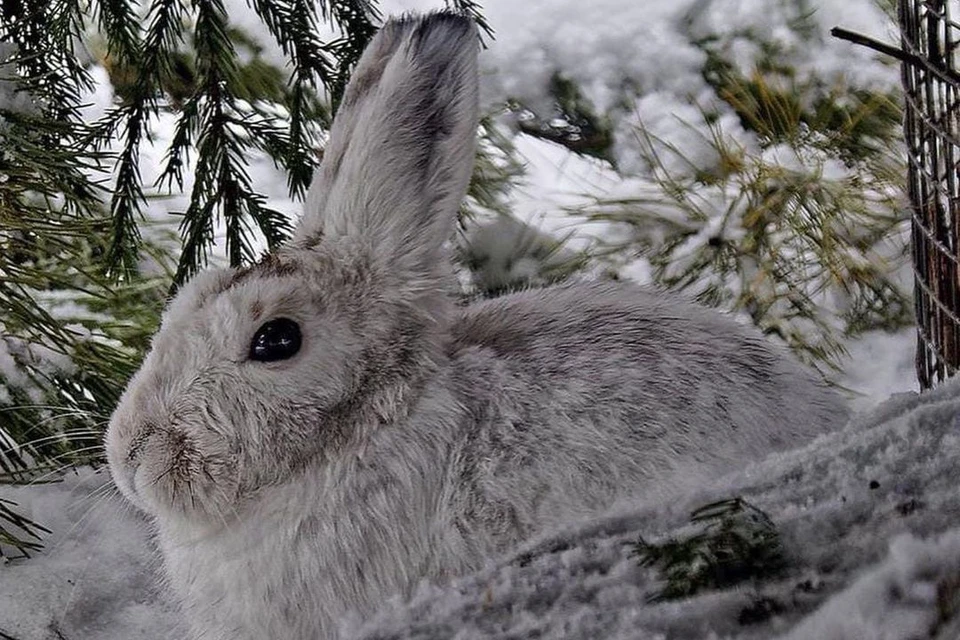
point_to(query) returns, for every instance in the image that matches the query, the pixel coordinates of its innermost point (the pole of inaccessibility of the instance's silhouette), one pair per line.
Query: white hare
(328, 427)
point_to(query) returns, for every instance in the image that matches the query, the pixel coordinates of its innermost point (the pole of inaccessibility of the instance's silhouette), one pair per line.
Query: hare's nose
(138, 442)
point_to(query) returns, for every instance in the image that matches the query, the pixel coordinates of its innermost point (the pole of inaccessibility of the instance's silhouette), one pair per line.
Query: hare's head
(257, 372)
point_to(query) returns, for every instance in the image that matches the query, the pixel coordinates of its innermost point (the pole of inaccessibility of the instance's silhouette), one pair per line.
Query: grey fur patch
(270, 265)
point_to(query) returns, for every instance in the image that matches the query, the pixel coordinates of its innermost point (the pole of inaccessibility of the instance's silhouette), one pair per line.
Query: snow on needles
(647, 58)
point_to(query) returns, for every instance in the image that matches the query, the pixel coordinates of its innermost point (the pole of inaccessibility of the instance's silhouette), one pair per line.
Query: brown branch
(876, 45)
(903, 56)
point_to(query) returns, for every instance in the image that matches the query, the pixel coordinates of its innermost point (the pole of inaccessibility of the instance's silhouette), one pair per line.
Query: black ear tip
(437, 28)
(447, 20)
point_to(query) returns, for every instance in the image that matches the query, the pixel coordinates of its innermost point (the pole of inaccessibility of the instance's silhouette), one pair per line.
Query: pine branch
(162, 36)
(736, 542)
(357, 22)
(293, 24)
(876, 45)
(221, 185)
(31, 532)
(472, 9)
(51, 223)
(44, 34)
(44, 157)
(775, 240)
(119, 21)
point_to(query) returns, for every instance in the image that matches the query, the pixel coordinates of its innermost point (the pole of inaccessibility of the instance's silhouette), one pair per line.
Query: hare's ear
(401, 148)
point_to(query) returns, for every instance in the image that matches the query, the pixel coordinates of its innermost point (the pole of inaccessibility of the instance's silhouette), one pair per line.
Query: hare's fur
(410, 438)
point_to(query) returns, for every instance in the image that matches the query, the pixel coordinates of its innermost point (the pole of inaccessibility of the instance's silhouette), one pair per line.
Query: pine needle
(736, 542)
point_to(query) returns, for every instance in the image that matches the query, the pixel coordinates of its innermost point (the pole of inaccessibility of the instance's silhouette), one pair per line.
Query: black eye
(278, 339)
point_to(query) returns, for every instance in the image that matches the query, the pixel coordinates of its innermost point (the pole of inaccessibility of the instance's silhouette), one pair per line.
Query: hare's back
(624, 357)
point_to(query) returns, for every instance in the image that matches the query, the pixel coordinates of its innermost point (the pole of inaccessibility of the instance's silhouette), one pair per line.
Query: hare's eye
(278, 339)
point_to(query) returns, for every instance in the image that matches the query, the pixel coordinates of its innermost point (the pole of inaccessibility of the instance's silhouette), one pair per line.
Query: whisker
(42, 479)
(97, 496)
(27, 452)
(59, 416)
(105, 487)
(64, 414)
(65, 435)
(18, 407)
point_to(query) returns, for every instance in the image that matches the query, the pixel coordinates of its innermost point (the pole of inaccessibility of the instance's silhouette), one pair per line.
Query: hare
(327, 428)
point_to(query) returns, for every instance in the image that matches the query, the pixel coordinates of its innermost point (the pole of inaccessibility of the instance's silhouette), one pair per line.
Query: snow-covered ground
(850, 576)
(96, 579)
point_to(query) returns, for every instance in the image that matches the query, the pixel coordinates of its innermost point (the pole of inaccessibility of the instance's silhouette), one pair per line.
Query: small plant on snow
(736, 542)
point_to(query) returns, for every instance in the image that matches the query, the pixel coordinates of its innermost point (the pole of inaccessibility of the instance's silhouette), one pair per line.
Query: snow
(659, 47)
(902, 598)
(878, 365)
(97, 575)
(11, 98)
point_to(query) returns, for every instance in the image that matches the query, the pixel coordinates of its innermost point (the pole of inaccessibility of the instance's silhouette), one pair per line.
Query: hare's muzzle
(125, 447)
(170, 467)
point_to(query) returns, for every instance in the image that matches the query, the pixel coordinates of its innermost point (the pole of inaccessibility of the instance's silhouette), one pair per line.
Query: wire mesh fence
(931, 83)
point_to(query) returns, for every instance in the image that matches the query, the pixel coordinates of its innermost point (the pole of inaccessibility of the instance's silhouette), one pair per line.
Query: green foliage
(69, 339)
(62, 359)
(735, 542)
(30, 533)
(205, 85)
(780, 232)
(780, 108)
(186, 60)
(45, 35)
